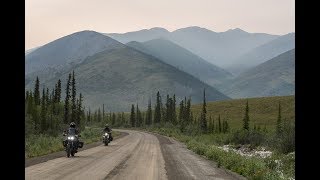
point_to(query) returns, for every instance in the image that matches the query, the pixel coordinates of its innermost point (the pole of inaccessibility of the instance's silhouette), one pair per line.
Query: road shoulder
(44, 158)
(178, 165)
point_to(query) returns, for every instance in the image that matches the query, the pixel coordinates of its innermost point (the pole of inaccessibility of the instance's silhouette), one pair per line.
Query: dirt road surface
(138, 155)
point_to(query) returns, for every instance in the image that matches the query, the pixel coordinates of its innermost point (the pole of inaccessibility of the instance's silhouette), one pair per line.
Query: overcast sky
(47, 20)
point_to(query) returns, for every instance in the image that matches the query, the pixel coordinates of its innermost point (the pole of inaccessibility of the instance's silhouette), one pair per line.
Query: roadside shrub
(192, 130)
(285, 142)
(252, 137)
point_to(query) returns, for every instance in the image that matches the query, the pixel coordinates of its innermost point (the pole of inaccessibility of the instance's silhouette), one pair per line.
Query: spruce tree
(210, 125)
(132, 117)
(95, 116)
(73, 98)
(30, 104)
(113, 120)
(227, 128)
(174, 114)
(167, 114)
(53, 96)
(203, 118)
(99, 115)
(47, 98)
(149, 114)
(157, 110)
(43, 112)
(162, 111)
(223, 126)
(279, 122)
(103, 112)
(246, 118)
(79, 110)
(181, 112)
(188, 111)
(58, 92)
(55, 93)
(139, 118)
(219, 124)
(213, 126)
(37, 119)
(182, 116)
(89, 116)
(67, 102)
(37, 92)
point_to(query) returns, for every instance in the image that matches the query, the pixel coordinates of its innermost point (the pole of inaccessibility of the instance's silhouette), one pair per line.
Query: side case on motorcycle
(80, 144)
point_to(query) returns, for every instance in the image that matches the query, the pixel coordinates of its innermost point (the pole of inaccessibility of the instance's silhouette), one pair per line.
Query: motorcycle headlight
(71, 137)
(106, 134)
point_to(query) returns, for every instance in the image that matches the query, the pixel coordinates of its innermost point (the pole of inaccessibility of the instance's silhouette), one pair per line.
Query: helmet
(107, 125)
(72, 124)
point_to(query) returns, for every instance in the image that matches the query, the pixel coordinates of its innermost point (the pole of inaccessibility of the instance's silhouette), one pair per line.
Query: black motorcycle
(72, 144)
(106, 138)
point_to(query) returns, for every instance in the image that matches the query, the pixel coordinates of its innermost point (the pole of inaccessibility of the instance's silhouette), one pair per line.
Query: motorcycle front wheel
(68, 152)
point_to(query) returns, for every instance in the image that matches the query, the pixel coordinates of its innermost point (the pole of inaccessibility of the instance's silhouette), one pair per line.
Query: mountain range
(275, 77)
(218, 48)
(117, 76)
(183, 59)
(68, 50)
(122, 69)
(262, 53)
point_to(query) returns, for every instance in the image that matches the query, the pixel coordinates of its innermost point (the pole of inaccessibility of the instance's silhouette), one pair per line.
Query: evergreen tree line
(164, 113)
(46, 113)
(100, 117)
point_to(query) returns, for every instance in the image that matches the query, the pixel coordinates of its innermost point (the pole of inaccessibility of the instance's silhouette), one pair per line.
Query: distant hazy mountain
(263, 53)
(67, 50)
(275, 77)
(30, 50)
(183, 59)
(218, 48)
(121, 76)
(140, 36)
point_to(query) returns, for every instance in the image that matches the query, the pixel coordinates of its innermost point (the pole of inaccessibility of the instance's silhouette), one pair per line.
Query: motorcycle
(72, 144)
(106, 138)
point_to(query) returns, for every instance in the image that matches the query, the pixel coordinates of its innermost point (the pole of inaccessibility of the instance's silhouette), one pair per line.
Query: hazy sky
(47, 20)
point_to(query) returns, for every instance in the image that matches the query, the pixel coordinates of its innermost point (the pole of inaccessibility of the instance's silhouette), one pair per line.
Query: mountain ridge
(275, 77)
(183, 59)
(121, 76)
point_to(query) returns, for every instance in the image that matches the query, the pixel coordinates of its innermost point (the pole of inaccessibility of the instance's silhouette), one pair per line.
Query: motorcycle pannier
(80, 144)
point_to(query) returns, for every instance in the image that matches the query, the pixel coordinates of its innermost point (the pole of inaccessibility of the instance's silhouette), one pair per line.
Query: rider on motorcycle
(72, 130)
(108, 130)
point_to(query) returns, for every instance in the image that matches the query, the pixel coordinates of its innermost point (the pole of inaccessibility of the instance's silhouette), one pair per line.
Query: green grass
(262, 111)
(38, 145)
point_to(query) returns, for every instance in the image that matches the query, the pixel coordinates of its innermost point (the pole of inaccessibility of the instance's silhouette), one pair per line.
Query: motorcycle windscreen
(72, 131)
